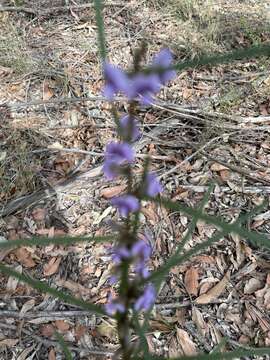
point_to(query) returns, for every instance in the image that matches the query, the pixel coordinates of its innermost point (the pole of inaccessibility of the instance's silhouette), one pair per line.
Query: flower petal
(126, 204)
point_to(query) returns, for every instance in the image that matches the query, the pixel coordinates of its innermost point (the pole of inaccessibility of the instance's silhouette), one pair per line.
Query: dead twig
(177, 305)
(54, 9)
(230, 78)
(53, 101)
(18, 9)
(43, 314)
(71, 150)
(237, 169)
(188, 158)
(47, 342)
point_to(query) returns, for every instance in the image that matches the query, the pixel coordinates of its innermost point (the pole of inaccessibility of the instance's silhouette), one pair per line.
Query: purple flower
(119, 152)
(120, 253)
(152, 185)
(141, 269)
(112, 307)
(115, 155)
(116, 81)
(112, 280)
(144, 86)
(147, 299)
(129, 128)
(126, 204)
(111, 169)
(142, 251)
(164, 59)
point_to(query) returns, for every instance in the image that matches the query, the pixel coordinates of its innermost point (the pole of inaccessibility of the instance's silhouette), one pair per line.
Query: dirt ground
(211, 124)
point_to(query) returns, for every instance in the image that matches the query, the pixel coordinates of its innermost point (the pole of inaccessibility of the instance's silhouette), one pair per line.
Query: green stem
(100, 29)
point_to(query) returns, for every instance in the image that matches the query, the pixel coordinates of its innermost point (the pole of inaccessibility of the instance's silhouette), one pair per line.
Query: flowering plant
(132, 250)
(137, 288)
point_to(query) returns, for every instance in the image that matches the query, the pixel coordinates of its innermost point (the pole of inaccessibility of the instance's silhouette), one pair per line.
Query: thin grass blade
(256, 238)
(64, 347)
(44, 288)
(98, 5)
(59, 240)
(215, 59)
(240, 353)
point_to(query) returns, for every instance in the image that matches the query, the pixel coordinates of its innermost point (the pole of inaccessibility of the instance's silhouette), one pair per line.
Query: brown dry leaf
(39, 214)
(204, 287)
(205, 259)
(191, 281)
(240, 249)
(24, 257)
(160, 326)
(52, 355)
(252, 285)
(28, 305)
(224, 175)
(256, 314)
(257, 223)
(77, 289)
(180, 195)
(244, 340)
(80, 330)
(52, 266)
(63, 165)
(174, 350)
(108, 193)
(47, 91)
(187, 345)
(215, 291)
(218, 167)
(88, 269)
(150, 212)
(198, 319)
(187, 93)
(47, 330)
(62, 325)
(8, 342)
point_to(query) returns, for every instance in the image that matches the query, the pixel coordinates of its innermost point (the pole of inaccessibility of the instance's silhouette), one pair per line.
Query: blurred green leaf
(176, 259)
(141, 330)
(195, 219)
(66, 351)
(44, 288)
(59, 240)
(100, 29)
(220, 356)
(220, 345)
(239, 54)
(256, 238)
